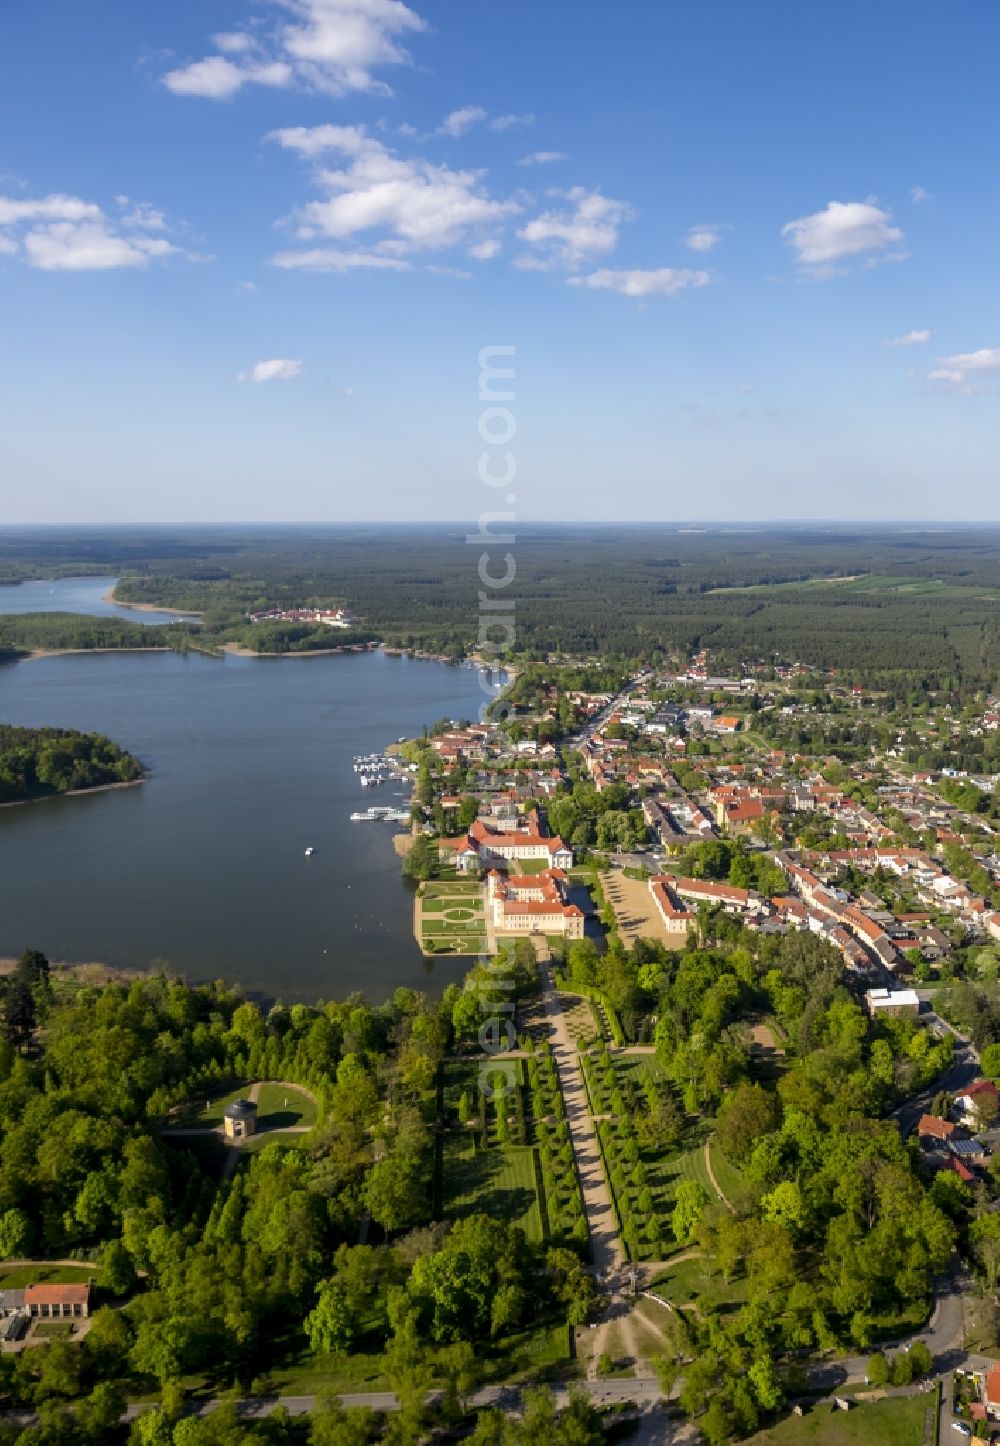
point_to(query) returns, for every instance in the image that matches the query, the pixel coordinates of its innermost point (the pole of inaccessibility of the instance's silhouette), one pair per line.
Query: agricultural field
(450, 917)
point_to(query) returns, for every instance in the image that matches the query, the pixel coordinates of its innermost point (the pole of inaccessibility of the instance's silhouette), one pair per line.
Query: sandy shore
(81, 652)
(75, 792)
(109, 596)
(237, 650)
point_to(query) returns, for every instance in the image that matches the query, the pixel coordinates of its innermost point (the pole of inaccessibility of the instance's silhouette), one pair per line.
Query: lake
(203, 866)
(77, 595)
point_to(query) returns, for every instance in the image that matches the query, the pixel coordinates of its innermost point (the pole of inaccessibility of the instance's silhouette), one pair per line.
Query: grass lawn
(539, 1354)
(321, 1375)
(896, 1421)
(730, 1179)
(663, 1173)
(529, 866)
(19, 1276)
(452, 918)
(455, 944)
(535, 1355)
(444, 888)
(691, 1166)
(207, 1113)
(499, 1181)
(688, 1281)
(53, 1328)
(282, 1105)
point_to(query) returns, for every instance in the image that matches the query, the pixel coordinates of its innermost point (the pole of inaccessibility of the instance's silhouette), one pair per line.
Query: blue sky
(249, 253)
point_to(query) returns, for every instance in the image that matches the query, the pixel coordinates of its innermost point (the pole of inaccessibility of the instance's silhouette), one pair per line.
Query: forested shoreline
(40, 763)
(894, 608)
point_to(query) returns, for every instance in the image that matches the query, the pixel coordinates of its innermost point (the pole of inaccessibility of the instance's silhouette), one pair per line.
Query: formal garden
(510, 1156)
(654, 1156)
(451, 917)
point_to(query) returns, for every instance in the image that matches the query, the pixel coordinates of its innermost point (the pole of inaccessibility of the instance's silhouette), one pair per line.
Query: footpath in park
(605, 1243)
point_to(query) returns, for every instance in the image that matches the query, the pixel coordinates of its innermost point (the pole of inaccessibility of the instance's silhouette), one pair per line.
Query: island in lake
(44, 762)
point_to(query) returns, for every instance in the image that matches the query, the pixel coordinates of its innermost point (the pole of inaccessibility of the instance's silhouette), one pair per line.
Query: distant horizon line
(679, 524)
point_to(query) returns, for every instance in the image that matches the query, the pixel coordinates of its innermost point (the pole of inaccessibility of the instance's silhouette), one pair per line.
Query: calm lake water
(76, 595)
(203, 866)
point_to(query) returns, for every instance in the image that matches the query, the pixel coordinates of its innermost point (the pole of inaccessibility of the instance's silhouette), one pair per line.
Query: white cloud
(279, 369)
(511, 122)
(909, 338)
(88, 246)
(56, 207)
(416, 204)
(143, 216)
(233, 42)
(843, 231)
(702, 238)
(64, 233)
(455, 272)
(329, 258)
(459, 121)
(485, 250)
(967, 365)
(542, 158)
(664, 281)
(569, 238)
(214, 77)
(327, 45)
(310, 141)
(918, 195)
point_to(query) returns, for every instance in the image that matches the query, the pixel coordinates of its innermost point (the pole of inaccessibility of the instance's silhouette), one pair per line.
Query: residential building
(892, 1002)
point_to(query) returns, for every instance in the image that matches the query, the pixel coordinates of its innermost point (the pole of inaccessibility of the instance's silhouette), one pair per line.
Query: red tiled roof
(57, 1294)
(934, 1126)
(662, 895)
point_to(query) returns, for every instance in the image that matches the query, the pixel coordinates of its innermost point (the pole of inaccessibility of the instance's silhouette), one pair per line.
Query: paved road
(944, 1337)
(644, 1392)
(964, 1069)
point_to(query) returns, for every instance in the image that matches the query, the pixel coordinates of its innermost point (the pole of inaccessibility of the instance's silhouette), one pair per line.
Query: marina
(375, 768)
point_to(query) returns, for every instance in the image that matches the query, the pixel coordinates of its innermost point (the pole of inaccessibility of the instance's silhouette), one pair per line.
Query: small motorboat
(309, 852)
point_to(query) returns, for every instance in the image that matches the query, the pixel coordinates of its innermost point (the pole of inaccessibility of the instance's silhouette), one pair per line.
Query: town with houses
(657, 808)
(879, 887)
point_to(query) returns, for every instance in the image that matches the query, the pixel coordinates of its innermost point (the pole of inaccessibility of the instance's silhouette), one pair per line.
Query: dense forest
(22, 633)
(209, 1278)
(40, 762)
(888, 605)
(206, 1276)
